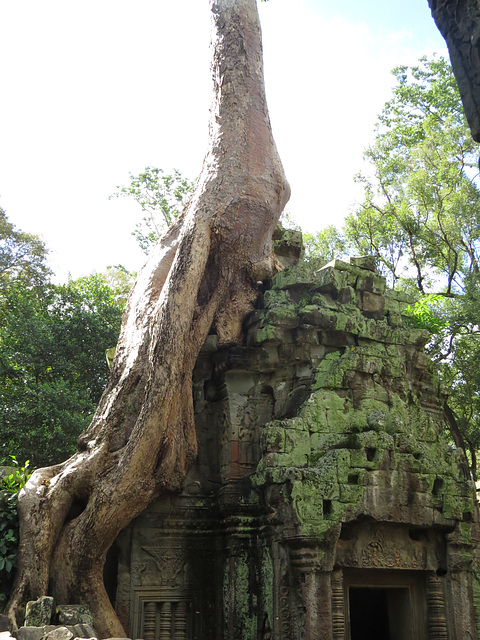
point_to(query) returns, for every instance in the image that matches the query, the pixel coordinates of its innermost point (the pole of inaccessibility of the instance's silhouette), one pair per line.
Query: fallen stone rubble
(46, 621)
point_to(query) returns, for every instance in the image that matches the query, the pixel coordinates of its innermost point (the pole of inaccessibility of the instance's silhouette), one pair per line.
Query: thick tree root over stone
(201, 277)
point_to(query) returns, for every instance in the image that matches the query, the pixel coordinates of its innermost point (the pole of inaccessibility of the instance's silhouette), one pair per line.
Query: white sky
(92, 90)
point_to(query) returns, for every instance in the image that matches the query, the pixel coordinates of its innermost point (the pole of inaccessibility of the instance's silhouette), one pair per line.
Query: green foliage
(423, 181)
(18, 478)
(22, 256)
(327, 244)
(52, 364)
(458, 354)
(120, 282)
(424, 314)
(161, 197)
(9, 530)
(52, 351)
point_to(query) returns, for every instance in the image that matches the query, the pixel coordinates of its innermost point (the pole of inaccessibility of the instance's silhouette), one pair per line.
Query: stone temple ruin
(327, 497)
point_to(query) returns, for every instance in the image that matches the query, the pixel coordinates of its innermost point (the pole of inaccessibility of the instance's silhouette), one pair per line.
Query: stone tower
(328, 496)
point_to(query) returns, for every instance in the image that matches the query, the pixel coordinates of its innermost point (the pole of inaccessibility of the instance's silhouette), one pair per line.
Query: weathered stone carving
(149, 621)
(437, 623)
(338, 606)
(385, 547)
(171, 567)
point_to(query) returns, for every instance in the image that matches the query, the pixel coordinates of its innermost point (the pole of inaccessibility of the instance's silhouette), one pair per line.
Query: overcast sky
(93, 90)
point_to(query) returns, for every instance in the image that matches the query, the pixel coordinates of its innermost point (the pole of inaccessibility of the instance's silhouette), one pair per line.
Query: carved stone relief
(389, 547)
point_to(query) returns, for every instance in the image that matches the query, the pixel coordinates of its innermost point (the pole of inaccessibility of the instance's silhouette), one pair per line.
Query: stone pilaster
(338, 606)
(436, 619)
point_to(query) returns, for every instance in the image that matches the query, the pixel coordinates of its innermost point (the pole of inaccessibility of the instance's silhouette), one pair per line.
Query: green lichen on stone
(302, 273)
(267, 580)
(280, 316)
(237, 592)
(371, 428)
(476, 595)
(274, 297)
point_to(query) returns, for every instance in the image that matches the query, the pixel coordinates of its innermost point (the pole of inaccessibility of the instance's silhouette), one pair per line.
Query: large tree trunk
(459, 23)
(204, 273)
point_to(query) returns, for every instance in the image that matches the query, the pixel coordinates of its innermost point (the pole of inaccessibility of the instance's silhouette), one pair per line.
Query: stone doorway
(380, 613)
(383, 605)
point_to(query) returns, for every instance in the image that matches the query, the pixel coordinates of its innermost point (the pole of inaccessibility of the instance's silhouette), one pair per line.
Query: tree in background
(52, 349)
(52, 365)
(328, 244)
(420, 217)
(161, 197)
(421, 210)
(22, 256)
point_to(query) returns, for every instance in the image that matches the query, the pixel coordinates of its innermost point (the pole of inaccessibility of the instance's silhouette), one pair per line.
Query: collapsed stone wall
(323, 453)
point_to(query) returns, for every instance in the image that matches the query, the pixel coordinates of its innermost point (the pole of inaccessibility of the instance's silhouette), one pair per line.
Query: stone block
(300, 274)
(286, 317)
(84, 631)
(364, 262)
(293, 459)
(319, 317)
(351, 494)
(297, 442)
(268, 333)
(372, 304)
(39, 612)
(347, 296)
(337, 420)
(306, 334)
(59, 633)
(317, 352)
(330, 280)
(321, 442)
(29, 633)
(273, 439)
(337, 339)
(72, 614)
(325, 300)
(399, 296)
(273, 297)
(49, 627)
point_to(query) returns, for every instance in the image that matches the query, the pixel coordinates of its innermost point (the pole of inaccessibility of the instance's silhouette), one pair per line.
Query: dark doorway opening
(380, 613)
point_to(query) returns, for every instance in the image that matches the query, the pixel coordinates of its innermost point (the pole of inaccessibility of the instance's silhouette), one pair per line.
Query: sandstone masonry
(326, 487)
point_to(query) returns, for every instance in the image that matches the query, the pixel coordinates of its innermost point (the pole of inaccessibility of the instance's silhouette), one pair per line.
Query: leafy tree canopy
(22, 255)
(52, 348)
(423, 181)
(161, 197)
(52, 365)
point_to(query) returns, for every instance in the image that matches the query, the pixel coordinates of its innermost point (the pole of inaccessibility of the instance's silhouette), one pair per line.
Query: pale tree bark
(203, 274)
